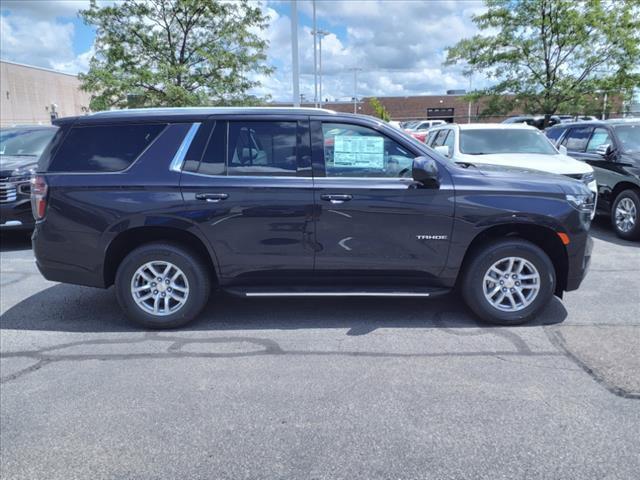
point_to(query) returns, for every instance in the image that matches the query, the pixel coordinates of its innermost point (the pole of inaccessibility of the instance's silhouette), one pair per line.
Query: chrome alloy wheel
(159, 288)
(511, 284)
(626, 215)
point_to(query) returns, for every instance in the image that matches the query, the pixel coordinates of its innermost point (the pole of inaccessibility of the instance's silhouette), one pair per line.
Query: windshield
(25, 142)
(488, 141)
(629, 137)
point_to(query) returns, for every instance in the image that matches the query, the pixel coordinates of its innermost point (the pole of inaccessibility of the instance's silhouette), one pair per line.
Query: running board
(329, 292)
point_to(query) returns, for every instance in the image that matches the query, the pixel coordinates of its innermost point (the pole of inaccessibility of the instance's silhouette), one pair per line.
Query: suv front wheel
(162, 285)
(625, 215)
(508, 282)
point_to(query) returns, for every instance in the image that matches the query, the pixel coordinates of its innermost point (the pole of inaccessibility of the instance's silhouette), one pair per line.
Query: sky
(398, 45)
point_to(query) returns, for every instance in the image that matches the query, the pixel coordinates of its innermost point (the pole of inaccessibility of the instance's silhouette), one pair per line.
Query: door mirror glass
(425, 171)
(604, 150)
(562, 149)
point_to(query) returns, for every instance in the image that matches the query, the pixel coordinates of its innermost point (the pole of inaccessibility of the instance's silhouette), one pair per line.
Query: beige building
(33, 95)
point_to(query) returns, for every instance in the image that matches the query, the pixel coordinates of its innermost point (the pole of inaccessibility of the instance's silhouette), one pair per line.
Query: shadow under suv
(169, 203)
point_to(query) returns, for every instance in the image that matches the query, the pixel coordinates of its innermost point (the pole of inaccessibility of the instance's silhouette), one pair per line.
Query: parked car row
(20, 148)
(612, 148)
(538, 120)
(164, 203)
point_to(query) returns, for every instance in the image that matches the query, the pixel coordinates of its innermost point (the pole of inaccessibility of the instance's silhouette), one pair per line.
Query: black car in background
(167, 204)
(612, 148)
(20, 148)
(533, 120)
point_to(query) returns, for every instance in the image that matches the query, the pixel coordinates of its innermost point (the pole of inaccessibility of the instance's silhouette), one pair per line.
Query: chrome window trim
(178, 159)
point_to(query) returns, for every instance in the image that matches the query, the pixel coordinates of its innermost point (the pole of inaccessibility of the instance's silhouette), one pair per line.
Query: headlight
(587, 178)
(581, 201)
(23, 173)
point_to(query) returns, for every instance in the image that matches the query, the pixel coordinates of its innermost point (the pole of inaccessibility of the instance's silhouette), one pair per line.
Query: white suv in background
(512, 145)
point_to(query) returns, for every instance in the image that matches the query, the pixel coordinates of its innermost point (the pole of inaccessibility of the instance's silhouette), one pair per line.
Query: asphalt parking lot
(355, 388)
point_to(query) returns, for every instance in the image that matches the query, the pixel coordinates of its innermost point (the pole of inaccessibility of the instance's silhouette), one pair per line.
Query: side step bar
(332, 292)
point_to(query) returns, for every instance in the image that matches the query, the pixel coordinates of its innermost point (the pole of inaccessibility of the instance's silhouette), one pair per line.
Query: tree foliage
(553, 56)
(379, 109)
(174, 52)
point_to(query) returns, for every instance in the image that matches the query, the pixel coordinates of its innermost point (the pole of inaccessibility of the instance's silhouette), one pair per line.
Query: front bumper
(16, 215)
(579, 263)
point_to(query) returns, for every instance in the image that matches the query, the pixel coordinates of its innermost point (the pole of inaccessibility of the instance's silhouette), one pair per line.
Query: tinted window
(105, 148)
(554, 134)
(600, 137)
(577, 138)
(262, 148)
(501, 140)
(213, 161)
(196, 149)
(355, 151)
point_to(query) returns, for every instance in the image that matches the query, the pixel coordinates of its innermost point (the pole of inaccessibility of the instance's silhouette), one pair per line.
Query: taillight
(38, 196)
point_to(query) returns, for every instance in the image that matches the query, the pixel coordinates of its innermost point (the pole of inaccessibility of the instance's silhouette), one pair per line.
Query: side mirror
(442, 149)
(604, 150)
(562, 149)
(425, 171)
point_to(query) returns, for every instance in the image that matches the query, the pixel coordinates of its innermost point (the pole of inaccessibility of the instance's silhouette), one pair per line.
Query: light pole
(355, 71)
(294, 53)
(315, 58)
(320, 34)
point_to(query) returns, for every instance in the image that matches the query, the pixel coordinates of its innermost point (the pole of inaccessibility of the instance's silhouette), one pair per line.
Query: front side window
(600, 137)
(262, 148)
(501, 140)
(440, 138)
(448, 142)
(355, 151)
(577, 138)
(103, 148)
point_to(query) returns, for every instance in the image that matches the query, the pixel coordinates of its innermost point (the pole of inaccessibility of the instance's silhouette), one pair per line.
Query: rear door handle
(212, 197)
(336, 198)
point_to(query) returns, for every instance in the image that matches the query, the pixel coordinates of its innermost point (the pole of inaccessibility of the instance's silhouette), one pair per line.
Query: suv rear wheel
(162, 285)
(508, 282)
(625, 215)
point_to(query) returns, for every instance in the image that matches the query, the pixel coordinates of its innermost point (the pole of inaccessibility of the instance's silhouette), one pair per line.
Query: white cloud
(40, 33)
(399, 45)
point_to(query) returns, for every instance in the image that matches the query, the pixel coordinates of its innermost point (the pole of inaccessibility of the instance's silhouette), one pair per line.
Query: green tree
(174, 53)
(379, 109)
(553, 56)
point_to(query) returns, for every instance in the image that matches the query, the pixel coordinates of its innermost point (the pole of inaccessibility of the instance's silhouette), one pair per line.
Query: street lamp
(355, 71)
(320, 34)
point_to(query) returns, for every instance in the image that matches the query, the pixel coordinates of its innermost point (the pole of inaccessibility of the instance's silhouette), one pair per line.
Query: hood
(631, 157)
(560, 164)
(529, 179)
(10, 164)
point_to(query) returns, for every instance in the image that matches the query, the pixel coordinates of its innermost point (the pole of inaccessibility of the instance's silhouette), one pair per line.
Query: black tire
(634, 232)
(484, 258)
(191, 265)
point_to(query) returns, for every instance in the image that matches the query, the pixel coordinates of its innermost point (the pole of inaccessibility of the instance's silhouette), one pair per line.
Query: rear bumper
(579, 263)
(57, 259)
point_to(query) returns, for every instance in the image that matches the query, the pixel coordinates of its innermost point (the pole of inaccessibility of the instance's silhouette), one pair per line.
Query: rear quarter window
(103, 148)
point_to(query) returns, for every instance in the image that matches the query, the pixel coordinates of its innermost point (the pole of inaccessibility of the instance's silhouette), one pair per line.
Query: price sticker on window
(358, 152)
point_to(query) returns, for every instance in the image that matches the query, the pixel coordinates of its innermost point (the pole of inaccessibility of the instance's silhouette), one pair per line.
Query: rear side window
(262, 148)
(103, 148)
(577, 138)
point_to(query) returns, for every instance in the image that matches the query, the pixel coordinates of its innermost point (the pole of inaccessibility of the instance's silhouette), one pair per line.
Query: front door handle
(212, 197)
(336, 198)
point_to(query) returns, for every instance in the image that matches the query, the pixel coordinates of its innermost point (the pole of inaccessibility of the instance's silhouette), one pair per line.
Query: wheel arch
(544, 237)
(135, 237)
(621, 187)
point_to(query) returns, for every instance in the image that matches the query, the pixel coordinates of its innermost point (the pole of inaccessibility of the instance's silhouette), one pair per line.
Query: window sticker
(358, 152)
